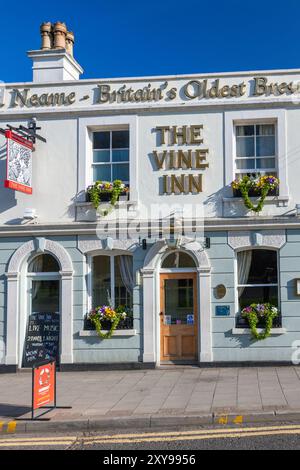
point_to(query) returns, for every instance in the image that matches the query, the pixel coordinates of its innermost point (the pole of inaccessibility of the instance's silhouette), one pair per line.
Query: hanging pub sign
(19, 163)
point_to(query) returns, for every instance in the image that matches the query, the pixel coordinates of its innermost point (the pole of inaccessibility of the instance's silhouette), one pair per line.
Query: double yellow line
(195, 435)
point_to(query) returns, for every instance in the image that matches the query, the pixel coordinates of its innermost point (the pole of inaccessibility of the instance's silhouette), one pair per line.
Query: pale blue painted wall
(226, 347)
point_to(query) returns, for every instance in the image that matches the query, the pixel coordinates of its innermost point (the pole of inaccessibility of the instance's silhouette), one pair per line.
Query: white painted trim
(242, 116)
(16, 280)
(151, 302)
(93, 333)
(85, 129)
(246, 331)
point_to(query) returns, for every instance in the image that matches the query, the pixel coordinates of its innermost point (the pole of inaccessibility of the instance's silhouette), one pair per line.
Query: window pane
(120, 139)
(101, 140)
(123, 281)
(265, 163)
(101, 281)
(245, 164)
(120, 155)
(265, 129)
(257, 267)
(45, 296)
(265, 146)
(43, 264)
(244, 130)
(101, 156)
(121, 172)
(245, 147)
(102, 172)
(254, 295)
(178, 260)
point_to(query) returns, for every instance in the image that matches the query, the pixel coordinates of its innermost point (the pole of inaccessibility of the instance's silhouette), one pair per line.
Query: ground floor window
(257, 272)
(112, 281)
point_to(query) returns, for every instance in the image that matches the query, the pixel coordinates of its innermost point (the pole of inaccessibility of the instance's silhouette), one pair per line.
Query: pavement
(171, 396)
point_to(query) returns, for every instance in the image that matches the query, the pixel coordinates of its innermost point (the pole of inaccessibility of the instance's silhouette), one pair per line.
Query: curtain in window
(126, 270)
(36, 266)
(244, 259)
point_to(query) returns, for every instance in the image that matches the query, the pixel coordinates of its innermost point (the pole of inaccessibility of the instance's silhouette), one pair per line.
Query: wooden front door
(178, 317)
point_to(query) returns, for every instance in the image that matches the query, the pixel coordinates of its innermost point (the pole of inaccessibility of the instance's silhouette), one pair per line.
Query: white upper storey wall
(68, 113)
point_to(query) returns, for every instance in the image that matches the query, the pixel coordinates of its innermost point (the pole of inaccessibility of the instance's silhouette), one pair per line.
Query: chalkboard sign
(42, 338)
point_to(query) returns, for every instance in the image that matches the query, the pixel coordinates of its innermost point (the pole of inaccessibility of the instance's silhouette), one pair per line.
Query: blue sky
(117, 38)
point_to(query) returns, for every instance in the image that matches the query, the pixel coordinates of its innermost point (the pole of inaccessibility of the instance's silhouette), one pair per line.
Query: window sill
(85, 212)
(92, 333)
(246, 331)
(280, 201)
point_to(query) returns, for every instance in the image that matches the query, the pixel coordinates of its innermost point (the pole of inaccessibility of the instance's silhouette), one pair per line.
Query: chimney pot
(46, 35)
(70, 39)
(60, 32)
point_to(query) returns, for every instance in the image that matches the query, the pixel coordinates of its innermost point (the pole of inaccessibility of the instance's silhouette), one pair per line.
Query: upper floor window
(256, 148)
(111, 155)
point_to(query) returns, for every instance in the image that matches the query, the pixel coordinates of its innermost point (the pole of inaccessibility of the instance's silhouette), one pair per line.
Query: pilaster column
(205, 336)
(66, 356)
(149, 307)
(12, 323)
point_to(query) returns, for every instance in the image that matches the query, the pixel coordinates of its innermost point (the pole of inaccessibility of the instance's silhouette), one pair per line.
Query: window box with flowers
(106, 321)
(104, 191)
(255, 185)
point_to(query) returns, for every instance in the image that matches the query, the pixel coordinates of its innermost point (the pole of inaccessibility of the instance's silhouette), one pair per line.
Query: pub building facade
(179, 249)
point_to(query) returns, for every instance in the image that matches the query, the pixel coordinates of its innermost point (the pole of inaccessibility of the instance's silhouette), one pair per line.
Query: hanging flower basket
(260, 313)
(104, 191)
(255, 186)
(106, 316)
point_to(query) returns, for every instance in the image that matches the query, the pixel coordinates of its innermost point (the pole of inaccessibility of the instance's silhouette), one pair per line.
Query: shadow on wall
(7, 196)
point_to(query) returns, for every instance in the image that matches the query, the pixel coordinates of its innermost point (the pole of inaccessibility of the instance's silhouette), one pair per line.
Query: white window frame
(278, 116)
(112, 275)
(243, 171)
(86, 127)
(111, 163)
(237, 285)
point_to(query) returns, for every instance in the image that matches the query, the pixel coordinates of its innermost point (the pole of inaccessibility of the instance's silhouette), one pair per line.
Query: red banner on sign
(19, 163)
(43, 385)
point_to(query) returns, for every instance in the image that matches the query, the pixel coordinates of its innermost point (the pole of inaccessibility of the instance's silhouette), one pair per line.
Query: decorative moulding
(93, 333)
(88, 245)
(265, 238)
(246, 331)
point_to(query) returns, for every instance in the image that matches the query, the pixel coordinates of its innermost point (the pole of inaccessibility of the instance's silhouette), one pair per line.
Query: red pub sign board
(19, 163)
(43, 385)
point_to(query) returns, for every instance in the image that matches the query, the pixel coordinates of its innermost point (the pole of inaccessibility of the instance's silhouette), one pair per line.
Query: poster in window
(19, 163)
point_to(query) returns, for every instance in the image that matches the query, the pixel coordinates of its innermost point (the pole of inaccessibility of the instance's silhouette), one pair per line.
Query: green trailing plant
(108, 314)
(257, 312)
(262, 185)
(99, 188)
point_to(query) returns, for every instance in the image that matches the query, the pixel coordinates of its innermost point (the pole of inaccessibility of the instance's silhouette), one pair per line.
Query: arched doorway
(40, 329)
(179, 308)
(18, 302)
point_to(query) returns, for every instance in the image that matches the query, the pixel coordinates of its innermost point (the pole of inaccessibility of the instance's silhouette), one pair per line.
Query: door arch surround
(16, 279)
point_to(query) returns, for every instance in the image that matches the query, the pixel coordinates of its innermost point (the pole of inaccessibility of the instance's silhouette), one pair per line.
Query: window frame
(111, 163)
(237, 285)
(112, 275)
(86, 127)
(243, 117)
(255, 123)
